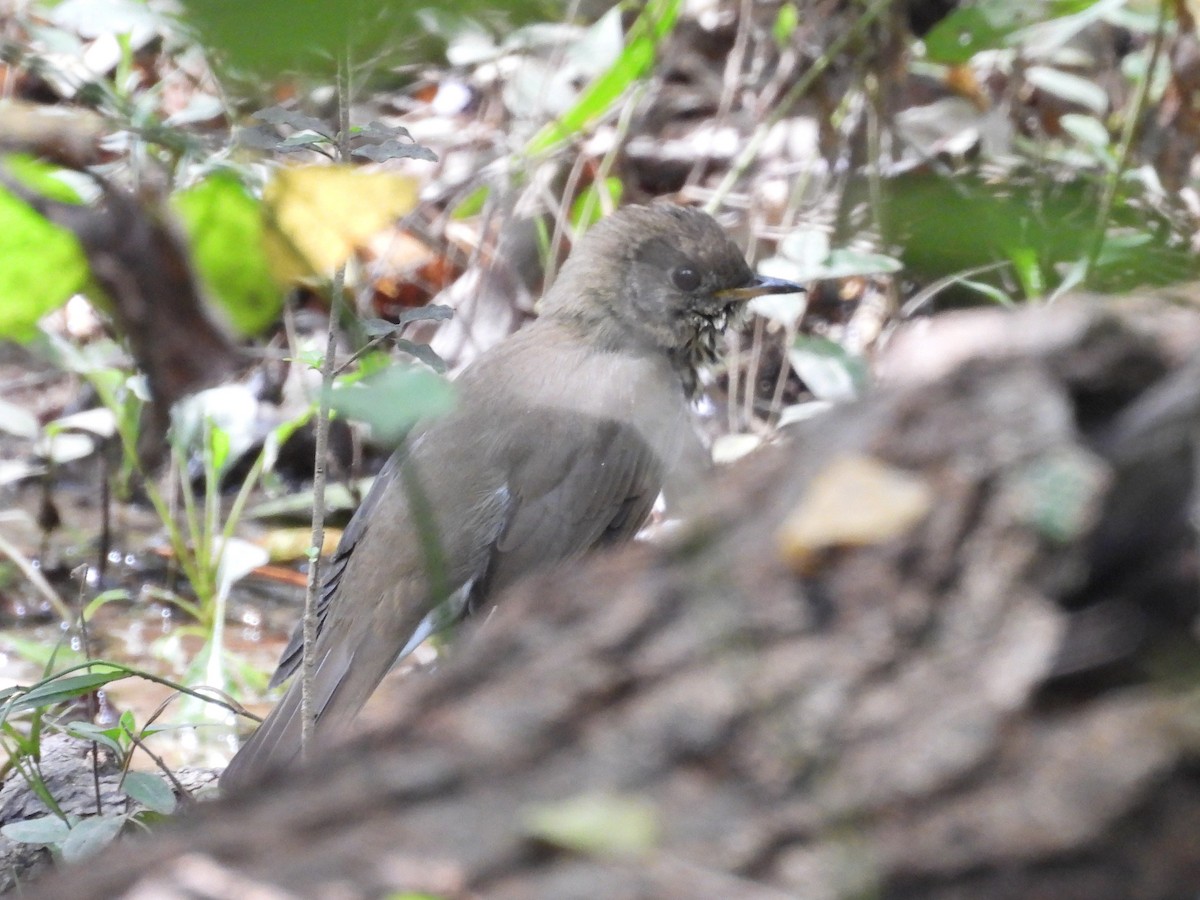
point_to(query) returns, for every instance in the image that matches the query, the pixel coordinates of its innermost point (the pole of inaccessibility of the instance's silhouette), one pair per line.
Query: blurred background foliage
(1051, 140)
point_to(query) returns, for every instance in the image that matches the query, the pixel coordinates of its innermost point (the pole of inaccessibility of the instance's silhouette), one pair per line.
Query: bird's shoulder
(551, 366)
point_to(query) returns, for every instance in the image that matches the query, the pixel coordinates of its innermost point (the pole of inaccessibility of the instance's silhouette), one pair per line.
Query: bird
(561, 440)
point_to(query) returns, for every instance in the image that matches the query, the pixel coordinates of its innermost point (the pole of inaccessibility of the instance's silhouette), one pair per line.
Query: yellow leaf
(290, 544)
(316, 216)
(855, 501)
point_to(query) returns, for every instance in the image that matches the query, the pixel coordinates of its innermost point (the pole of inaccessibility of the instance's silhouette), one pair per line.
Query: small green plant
(29, 713)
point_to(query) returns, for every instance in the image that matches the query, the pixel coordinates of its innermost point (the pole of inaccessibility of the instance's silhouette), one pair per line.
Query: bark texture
(992, 697)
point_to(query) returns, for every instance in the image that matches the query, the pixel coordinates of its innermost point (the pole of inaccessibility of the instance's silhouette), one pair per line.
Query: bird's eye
(685, 278)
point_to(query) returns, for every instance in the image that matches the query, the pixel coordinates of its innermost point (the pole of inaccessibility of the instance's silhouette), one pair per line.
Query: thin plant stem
(785, 368)
(1128, 133)
(137, 741)
(734, 64)
(750, 383)
(754, 146)
(321, 439)
(35, 577)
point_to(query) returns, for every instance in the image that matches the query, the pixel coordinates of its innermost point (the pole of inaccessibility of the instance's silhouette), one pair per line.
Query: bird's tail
(348, 671)
(349, 668)
(276, 744)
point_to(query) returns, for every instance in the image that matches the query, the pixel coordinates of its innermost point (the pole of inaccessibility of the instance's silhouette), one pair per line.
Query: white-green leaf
(602, 824)
(99, 421)
(90, 731)
(18, 421)
(806, 247)
(828, 369)
(1070, 87)
(91, 836)
(1088, 130)
(847, 263)
(393, 400)
(65, 447)
(151, 791)
(42, 830)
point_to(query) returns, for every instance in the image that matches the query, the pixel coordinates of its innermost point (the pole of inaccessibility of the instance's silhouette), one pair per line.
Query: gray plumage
(561, 440)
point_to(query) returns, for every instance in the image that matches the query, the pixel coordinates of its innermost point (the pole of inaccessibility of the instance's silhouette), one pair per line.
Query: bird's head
(664, 277)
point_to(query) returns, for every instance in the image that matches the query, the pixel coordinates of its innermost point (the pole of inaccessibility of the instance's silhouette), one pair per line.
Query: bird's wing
(335, 567)
(571, 482)
(376, 597)
(575, 482)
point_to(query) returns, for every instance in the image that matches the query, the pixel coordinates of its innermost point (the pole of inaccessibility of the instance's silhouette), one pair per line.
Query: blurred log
(994, 697)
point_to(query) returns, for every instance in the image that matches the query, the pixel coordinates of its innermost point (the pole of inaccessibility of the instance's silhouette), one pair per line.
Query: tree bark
(985, 687)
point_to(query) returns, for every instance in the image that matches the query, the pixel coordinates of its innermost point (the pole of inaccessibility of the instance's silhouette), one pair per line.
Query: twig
(183, 792)
(734, 63)
(321, 439)
(93, 705)
(1128, 132)
(799, 89)
(36, 578)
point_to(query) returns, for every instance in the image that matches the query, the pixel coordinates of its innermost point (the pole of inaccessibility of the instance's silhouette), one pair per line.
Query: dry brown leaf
(855, 501)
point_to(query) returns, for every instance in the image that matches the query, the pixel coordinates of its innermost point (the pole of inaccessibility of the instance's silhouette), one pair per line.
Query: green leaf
(89, 731)
(41, 266)
(40, 652)
(219, 445)
(151, 791)
(600, 824)
(66, 687)
(103, 599)
(590, 202)
(472, 204)
(949, 225)
(44, 178)
(785, 24)
(91, 836)
(1038, 27)
(828, 370)
(273, 36)
(393, 149)
(1026, 264)
(968, 30)
(994, 294)
(393, 400)
(295, 506)
(656, 21)
(301, 141)
(224, 226)
(42, 830)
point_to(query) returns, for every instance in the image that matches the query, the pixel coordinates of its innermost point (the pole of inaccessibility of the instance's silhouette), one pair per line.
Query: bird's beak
(757, 287)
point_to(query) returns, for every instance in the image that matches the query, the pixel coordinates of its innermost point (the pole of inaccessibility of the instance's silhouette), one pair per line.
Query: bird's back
(552, 449)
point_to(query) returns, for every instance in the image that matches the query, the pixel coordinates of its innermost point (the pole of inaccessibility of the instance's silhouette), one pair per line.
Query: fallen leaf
(597, 824)
(317, 216)
(855, 501)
